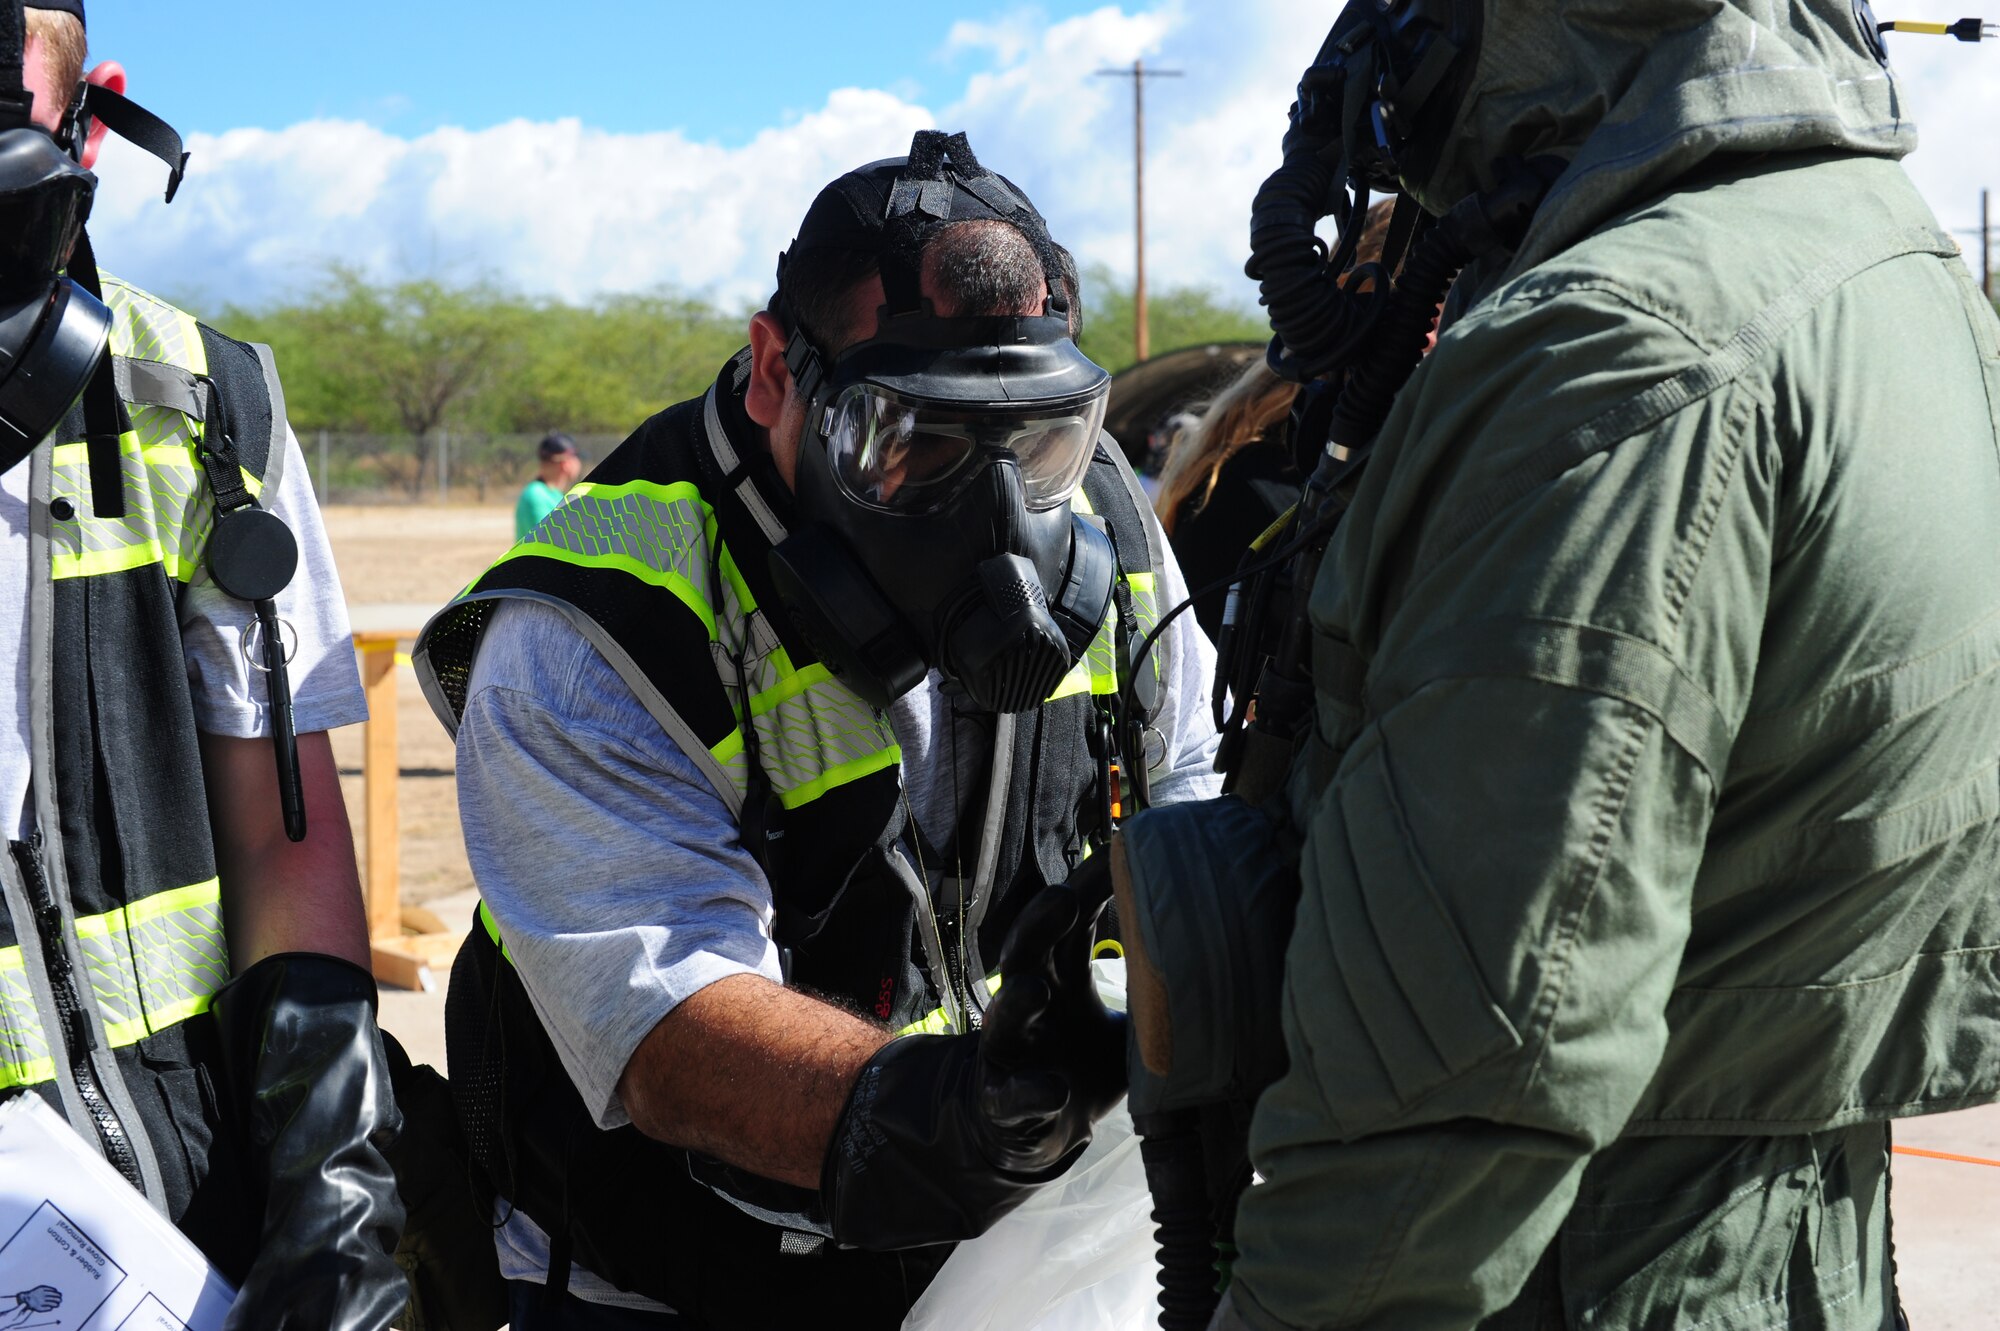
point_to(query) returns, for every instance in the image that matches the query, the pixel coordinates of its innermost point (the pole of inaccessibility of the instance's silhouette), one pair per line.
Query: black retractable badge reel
(252, 556)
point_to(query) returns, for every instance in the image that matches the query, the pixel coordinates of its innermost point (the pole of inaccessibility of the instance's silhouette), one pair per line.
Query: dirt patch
(415, 556)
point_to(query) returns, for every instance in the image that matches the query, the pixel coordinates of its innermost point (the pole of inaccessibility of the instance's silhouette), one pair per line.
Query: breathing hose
(1315, 319)
(1170, 1145)
(1479, 225)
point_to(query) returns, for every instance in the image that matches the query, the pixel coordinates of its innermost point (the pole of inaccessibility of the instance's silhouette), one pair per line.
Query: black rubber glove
(306, 1071)
(944, 1134)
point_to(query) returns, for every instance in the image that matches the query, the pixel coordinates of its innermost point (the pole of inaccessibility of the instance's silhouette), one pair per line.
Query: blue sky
(719, 71)
(573, 147)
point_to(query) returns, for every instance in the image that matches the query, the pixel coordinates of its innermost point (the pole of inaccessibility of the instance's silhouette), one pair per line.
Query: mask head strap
(891, 210)
(16, 102)
(95, 105)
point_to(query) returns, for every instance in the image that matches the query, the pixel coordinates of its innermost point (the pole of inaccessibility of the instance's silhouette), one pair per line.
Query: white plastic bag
(1076, 1256)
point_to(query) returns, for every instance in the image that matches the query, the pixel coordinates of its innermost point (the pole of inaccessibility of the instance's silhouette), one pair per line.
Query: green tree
(411, 357)
(1176, 317)
(606, 366)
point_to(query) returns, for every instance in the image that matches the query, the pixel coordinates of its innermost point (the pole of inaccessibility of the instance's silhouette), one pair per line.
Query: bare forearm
(752, 1073)
(279, 895)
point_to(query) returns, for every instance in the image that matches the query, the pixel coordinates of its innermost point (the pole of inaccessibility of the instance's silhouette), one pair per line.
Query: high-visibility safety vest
(660, 560)
(111, 938)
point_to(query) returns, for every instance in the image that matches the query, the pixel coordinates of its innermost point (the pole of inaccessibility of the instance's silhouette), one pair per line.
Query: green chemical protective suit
(1649, 830)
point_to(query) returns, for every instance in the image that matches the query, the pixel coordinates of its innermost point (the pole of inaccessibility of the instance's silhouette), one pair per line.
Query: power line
(1141, 342)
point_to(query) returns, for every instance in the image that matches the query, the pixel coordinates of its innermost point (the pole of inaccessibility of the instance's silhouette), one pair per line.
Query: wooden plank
(396, 966)
(438, 950)
(379, 775)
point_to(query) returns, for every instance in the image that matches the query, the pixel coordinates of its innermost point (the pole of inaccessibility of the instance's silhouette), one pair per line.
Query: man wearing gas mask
(772, 739)
(1634, 864)
(163, 577)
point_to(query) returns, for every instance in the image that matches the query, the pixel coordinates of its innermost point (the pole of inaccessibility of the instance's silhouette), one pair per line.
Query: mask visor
(908, 455)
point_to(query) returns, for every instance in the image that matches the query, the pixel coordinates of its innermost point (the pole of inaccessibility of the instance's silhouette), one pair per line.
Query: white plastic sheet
(1076, 1256)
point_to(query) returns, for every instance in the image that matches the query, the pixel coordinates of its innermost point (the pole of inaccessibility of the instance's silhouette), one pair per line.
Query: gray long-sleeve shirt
(615, 870)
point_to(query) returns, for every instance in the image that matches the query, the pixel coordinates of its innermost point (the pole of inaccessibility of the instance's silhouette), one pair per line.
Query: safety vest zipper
(78, 1041)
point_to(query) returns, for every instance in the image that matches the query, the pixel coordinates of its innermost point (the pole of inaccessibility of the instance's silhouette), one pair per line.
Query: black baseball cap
(555, 446)
(60, 7)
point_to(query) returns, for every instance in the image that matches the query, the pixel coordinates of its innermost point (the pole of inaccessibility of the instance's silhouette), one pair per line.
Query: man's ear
(110, 75)
(770, 378)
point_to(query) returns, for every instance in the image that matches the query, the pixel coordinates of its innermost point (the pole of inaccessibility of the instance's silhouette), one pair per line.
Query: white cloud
(549, 207)
(567, 209)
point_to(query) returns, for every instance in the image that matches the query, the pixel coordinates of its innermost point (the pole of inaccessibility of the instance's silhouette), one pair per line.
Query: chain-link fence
(443, 467)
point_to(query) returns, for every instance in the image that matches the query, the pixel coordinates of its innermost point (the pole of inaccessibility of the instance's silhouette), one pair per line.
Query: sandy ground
(1947, 1214)
(416, 557)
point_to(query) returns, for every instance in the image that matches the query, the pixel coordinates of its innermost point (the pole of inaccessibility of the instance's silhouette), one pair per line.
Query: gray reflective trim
(655, 703)
(40, 646)
(999, 786)
(927, 932)
(151, 383)
(1156, 548)
(725, 454)
(274, 459)
(42, 759)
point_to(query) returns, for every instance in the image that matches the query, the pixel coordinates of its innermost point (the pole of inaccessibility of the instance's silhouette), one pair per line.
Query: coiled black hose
(1481, 224)
(1184, 1225)
(1315, 318)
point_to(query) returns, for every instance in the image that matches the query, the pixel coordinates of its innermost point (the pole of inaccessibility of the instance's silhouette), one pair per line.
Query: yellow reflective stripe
(125, 975)
(840, 775)
(24, 1052)
(1088, 675)
(688, 593)
(93, 563)
(29, 1072)
(674, 493)
(144, 327)
(166, 506)
(178, 456)
(936, 1023)
(492, 927)
(791, 686)
(176, 901)
(1080, 680)
(542, 543)
(746, 603)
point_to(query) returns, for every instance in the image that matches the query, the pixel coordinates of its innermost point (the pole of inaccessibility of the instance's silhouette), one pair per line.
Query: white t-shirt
(229, 697)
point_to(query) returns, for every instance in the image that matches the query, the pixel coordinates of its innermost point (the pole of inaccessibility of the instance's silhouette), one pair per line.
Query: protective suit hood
(1638, 93)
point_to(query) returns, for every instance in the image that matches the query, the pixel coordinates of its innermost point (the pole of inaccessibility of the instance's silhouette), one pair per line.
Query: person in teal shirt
(561, 465)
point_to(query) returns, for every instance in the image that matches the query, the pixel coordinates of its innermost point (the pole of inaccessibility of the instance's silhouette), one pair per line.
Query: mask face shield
(44, 202)
(910, 455)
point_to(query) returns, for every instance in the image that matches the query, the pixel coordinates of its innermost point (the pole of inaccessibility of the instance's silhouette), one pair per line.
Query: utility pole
(1139, 74)
(1985, 246)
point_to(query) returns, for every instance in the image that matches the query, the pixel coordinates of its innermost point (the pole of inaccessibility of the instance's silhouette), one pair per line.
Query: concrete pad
(1947, 1221)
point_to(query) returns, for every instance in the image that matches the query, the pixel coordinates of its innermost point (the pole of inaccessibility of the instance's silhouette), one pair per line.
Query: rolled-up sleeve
(613, 869)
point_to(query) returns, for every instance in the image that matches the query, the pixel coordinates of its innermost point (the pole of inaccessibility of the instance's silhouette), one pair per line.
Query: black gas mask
(53, 334)
(939, 457)
(54, 328)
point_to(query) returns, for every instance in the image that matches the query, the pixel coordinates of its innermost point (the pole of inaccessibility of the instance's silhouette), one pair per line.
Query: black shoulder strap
(104, 418)
(253, 423)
